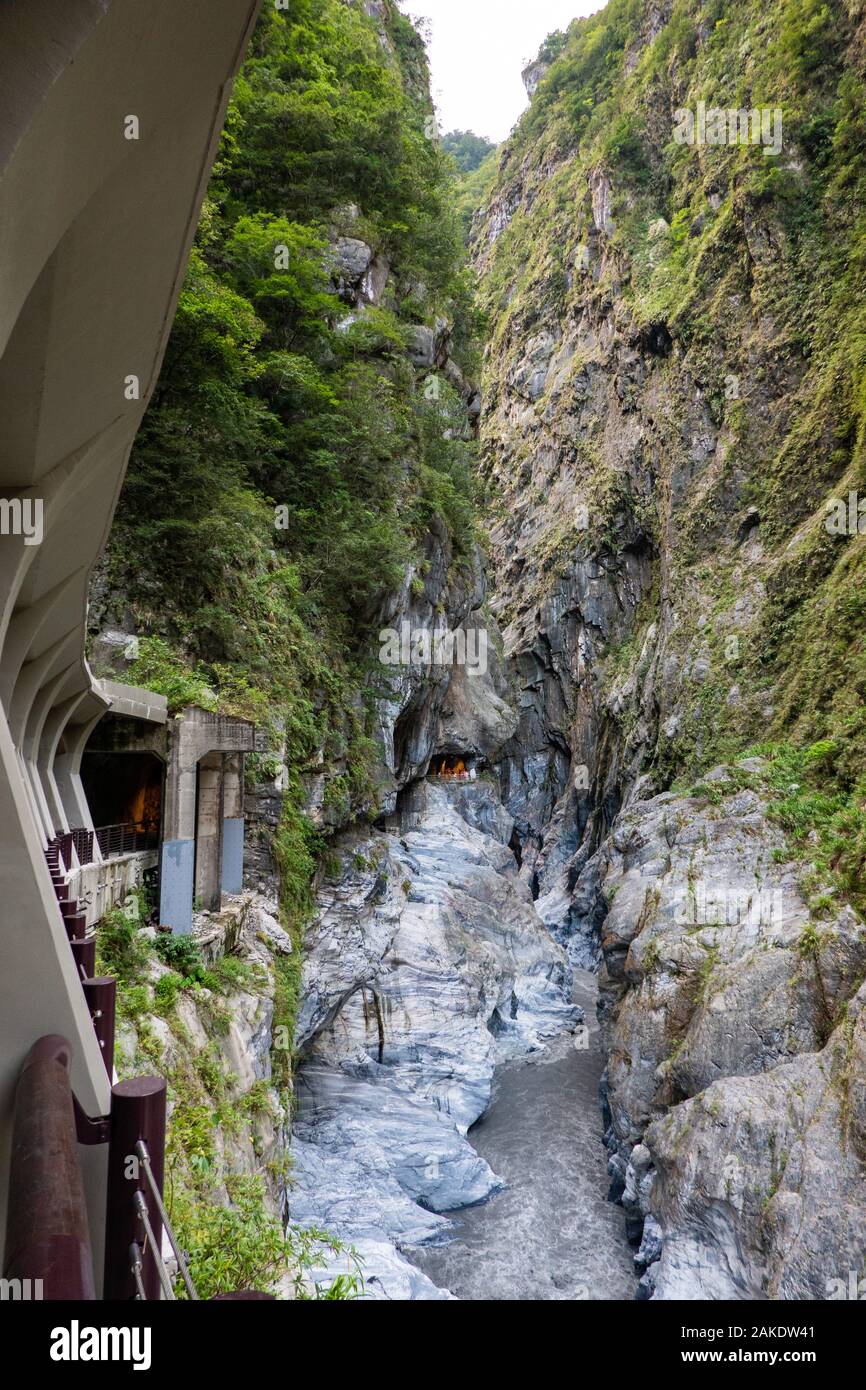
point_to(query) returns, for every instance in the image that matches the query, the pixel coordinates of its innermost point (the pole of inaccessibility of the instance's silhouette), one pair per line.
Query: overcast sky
(477, 52)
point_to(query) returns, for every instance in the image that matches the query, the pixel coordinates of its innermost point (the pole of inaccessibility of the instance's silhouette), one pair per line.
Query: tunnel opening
(124, 793)
(461, 766)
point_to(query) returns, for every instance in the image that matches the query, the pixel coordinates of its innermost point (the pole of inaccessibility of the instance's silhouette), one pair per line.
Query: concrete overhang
(133, 702)
(207, 732)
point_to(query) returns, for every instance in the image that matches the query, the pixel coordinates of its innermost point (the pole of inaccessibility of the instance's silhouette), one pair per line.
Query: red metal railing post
(137, 1112)
(84, 955)
(101, 996)
(47, 1234)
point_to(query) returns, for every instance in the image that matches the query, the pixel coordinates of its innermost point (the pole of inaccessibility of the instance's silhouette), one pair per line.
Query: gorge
(606, 439)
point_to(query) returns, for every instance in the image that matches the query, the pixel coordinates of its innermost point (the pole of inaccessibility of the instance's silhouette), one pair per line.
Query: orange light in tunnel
(145, 807)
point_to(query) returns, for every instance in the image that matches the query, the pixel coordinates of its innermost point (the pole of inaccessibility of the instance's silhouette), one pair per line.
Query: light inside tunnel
(123, 788)
(450, 766)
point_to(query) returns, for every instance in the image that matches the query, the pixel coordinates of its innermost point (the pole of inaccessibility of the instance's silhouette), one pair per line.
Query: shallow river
(551, 1234)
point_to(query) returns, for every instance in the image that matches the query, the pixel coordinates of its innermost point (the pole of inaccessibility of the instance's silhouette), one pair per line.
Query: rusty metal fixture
(101, 996)
(47, 1233)
(137, 1113)
(91, 1130)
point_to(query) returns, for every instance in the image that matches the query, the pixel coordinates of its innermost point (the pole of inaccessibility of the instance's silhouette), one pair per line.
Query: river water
(551, 1234)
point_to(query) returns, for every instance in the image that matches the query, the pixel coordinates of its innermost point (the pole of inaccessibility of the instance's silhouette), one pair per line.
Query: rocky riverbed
(427, 969)
(550, 1233)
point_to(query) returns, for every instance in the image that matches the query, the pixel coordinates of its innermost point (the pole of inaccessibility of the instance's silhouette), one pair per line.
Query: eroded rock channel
(435, 996)
(550, 1233)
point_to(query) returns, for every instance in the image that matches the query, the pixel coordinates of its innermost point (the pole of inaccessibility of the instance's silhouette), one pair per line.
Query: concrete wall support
(209, 832)
(232, 867)
(195, 808)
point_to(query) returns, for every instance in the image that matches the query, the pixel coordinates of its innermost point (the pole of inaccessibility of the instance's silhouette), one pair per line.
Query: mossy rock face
(702, 391)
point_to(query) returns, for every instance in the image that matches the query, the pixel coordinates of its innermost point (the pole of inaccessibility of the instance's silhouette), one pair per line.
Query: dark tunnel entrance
(124, 793)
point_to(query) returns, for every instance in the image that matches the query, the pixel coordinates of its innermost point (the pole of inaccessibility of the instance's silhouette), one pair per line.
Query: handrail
(47, 1231)
(183, 1267)
(128, 837)
(48, 1237)
(137, 1113)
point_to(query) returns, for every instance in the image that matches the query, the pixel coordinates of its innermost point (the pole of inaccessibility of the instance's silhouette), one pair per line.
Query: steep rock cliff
(672, 404)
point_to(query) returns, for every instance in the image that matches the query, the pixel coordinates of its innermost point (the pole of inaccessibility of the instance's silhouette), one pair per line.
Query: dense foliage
(274, 395)
(467, 149)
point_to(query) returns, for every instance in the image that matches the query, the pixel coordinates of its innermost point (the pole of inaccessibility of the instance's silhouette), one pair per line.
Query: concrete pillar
(209, 832)
(37, 792)
(232, 869)
(177, 854)
(195, 862)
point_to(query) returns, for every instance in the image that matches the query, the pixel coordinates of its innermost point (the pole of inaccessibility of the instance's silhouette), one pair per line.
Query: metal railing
(130, 837)
(83, 841)
(47, 1231)
(64, 849)
(142, 1207)
(65, 846)
(134, 1267)
(48, 1236)
(48, 1247)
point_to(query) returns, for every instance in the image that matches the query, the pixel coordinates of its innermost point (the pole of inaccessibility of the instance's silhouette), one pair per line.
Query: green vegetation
(820, 802)
(227, 1223)
(472, 190)
(241, 1247)
(291, 461)
(468, 150)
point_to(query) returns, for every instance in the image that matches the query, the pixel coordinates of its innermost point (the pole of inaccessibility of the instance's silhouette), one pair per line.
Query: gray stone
(426, 967)
(422, 347)
(351, 259)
